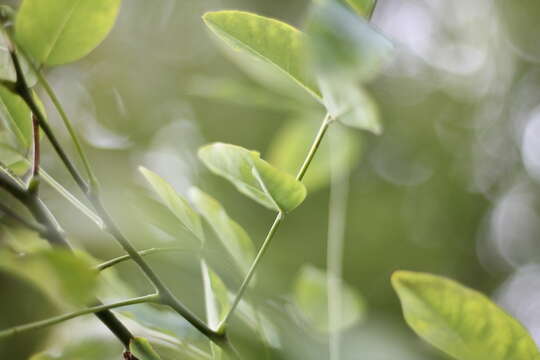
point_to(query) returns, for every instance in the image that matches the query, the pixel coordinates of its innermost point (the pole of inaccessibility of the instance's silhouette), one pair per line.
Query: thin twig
(61, 318)
(109, 263)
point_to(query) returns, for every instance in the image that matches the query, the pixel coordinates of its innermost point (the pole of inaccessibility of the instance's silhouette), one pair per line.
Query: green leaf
(352, 106)
(216, 296)
(141, 348)
(363, 8)
(460, 321)
(62, 31)
(7, 69)
(176, 203)
(289, 147)
(235, 239)
(268, 40)
(17, 116)
(310, 295)
(343, 46)
(258, 322)
(253, 176)
(67, 278)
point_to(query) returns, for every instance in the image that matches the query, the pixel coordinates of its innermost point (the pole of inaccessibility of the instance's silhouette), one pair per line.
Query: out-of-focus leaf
(62, 31)
(169, 334)
(253, 176)
(362, 7)
(17, 116)
(269, 40)
(232, 235)
(176, 203)
(343, 46)
(7, 69)
(216, 296)
(258, 322)
(87, 349)
(460, 321)
(310, 295)
(241, 93)
(141, 348)
(290, 145)
(351, 105)
(67, 278)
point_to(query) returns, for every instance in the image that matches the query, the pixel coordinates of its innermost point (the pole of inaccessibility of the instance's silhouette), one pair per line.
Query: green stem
(68, 125)
(61, 318)
(277, 221)
(120, 259)
(339, 190)
(314, 147)
(166, 296)
(251, 271)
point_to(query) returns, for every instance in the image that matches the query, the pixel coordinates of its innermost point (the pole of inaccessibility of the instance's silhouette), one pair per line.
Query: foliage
(333, 60)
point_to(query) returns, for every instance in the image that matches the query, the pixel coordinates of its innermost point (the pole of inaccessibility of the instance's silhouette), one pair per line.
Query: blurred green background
(450, 187)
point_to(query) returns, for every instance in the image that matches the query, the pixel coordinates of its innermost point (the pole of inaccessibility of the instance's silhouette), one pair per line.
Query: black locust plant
(332, 60)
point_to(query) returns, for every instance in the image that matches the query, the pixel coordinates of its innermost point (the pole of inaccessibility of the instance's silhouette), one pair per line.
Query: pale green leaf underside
(281, 191)
(460, 321)
(65, 277)
(176, 203)
(235, 239)
(288, 150)
(269, 40)
(217, 302)
(310, 295)
(141, 348)
(62, 31)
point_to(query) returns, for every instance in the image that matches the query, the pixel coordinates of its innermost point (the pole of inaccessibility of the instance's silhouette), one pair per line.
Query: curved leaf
(269, 40)
(232, 235)
(460, 321)
(253, 176)
(351, 105)
(310, 295)
(176, 203)
(62, 31)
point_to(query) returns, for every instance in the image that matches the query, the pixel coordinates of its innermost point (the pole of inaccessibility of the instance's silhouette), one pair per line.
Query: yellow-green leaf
(269, 40)
(141, 348)
(235, 239)
(311, 298)
(61, 31)
(460, 321)
(253, 176)
(67, 278)
(176, 203)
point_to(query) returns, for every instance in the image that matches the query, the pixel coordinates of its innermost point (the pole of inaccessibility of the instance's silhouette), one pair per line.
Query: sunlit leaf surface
(267, 39)
(253, 176)
(460, 321)
(62, 31)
